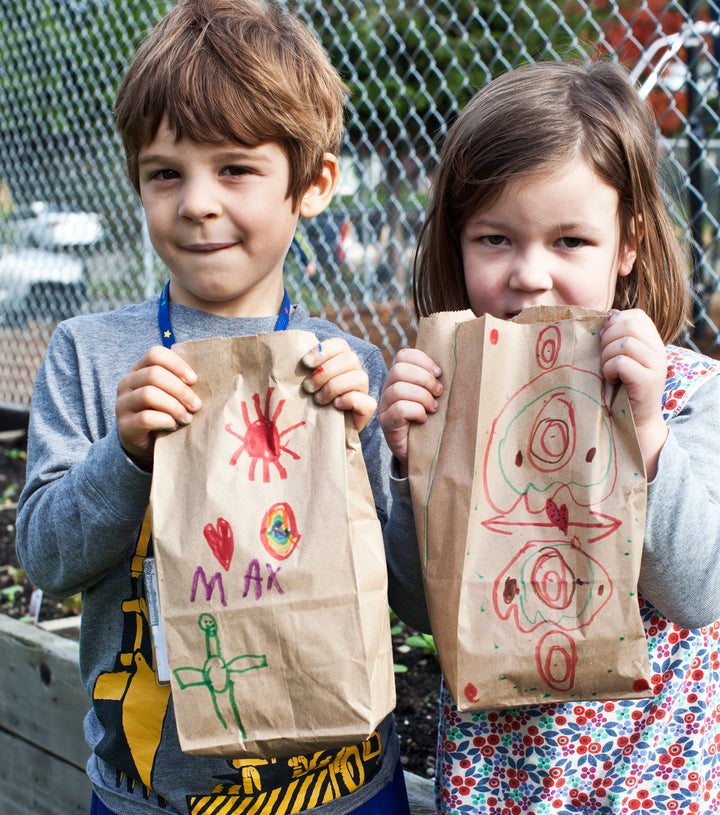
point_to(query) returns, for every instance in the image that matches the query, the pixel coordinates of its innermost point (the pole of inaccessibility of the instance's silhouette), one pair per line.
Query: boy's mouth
(208, 247)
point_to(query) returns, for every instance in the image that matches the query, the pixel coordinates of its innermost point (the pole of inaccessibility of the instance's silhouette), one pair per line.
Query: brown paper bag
(270, 561)
(529, 496)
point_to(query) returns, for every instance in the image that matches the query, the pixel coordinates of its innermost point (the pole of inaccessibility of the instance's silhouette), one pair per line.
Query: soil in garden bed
(417, 686)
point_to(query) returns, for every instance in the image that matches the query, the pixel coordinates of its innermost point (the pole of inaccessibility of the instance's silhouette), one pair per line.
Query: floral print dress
(657, 754)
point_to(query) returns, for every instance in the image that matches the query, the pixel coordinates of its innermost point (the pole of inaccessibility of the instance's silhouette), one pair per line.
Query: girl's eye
(572, 243)
(494, 240)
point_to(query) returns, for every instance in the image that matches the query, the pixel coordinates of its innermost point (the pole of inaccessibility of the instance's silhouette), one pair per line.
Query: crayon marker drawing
(262, 440)
(218, 675)
(549, 463)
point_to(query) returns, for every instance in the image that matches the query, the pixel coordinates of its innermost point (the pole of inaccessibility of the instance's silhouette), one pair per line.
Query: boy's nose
(198, 204)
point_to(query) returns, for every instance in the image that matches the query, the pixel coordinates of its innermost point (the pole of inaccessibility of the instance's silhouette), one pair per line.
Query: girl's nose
(532, 271)
(197, 203)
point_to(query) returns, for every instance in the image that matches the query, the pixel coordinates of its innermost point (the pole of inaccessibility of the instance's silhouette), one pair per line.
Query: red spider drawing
(261, 439)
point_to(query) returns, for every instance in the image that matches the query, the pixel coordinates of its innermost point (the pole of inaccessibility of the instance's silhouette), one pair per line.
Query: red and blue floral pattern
(658, 754)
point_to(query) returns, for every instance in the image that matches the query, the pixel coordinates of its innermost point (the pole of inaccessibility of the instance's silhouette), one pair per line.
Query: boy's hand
(155, 395)
(632, 352)
(409, 394)
(338, 378)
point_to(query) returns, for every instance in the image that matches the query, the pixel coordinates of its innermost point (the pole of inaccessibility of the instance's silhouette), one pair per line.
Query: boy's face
(219, 217)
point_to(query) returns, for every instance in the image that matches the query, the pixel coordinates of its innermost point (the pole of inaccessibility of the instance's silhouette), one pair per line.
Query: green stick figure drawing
(217, 674)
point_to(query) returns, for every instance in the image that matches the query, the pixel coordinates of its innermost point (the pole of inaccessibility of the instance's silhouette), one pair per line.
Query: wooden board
(33, 782)
(42, 702)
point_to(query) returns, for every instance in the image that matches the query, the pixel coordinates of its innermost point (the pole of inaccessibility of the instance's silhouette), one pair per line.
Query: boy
(231, 119)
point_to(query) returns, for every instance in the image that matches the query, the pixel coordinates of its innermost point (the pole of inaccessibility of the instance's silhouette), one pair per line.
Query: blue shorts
(391, 800)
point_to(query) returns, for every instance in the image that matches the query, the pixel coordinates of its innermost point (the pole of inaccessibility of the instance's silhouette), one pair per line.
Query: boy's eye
(164, 175)
(236, 169)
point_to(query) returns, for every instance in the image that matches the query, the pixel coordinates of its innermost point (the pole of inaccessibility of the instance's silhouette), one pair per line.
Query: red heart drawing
(557, 515)
(221, 541)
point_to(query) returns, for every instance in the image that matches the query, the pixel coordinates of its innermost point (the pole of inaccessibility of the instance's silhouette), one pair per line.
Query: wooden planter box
(42, 706)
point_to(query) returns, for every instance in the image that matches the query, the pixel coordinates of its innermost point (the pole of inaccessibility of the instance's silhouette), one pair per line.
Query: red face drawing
(262, 439)
(556, 584)
(551, 435)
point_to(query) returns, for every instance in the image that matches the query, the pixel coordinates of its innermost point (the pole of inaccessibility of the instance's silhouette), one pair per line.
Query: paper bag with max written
(270, 561)
(529, 497)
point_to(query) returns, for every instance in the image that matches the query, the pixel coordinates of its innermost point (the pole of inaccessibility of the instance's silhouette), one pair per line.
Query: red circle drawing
(553, 580)
(494, 336)
(553, 434)
(556, 660)
(471, 693)
(278, 531)
(547, 347)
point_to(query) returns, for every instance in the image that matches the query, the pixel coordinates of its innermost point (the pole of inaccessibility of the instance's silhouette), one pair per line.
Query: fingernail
(312, 357)
(308, 386)
(438, 389)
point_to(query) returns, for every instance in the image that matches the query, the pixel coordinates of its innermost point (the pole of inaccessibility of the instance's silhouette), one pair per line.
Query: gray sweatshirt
(78, 530)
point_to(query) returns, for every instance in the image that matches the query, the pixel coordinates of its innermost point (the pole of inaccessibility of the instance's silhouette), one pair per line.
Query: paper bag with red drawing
(270, 561)
(529, 495)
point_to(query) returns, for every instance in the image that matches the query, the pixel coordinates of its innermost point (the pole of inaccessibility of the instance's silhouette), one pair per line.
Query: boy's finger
(326, 388)
(325, 350)
(158, 378)
(361, 405)
(166, 358)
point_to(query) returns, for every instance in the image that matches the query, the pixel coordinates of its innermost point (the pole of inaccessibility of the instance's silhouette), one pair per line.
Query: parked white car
(40, 285)
(49, 228)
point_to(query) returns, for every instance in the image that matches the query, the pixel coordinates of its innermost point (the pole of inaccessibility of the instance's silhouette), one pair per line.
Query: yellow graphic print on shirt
(128, 701)
(314, 780)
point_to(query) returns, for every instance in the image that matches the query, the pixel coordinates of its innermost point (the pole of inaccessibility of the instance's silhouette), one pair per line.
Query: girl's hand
(409, 394)
(339, 378)
(155, 395)
(632, 352)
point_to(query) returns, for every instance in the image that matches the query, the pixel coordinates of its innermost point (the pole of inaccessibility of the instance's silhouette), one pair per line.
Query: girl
(547, 193)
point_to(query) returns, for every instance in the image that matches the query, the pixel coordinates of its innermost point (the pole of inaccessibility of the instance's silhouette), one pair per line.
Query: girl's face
(546, 241)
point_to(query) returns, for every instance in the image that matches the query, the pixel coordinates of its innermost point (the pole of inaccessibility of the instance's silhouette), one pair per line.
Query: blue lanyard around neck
(166, 331)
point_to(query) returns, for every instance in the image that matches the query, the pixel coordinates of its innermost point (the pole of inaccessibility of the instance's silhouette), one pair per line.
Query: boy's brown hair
(234, 70)
(527, 123)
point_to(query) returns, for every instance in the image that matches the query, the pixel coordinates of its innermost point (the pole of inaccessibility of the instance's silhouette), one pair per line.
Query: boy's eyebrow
(233, 154)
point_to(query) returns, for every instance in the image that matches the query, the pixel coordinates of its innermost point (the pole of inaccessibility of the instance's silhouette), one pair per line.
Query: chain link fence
(71, 228)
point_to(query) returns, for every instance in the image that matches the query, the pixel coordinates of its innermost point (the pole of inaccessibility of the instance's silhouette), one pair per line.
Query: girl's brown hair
(234, 70)
(529, 122)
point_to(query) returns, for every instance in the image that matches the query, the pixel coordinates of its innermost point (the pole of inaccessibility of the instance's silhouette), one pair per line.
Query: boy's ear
(320, 192)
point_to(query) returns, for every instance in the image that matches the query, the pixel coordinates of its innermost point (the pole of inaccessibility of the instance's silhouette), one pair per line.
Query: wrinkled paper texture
(271, 569)
(529, 495)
